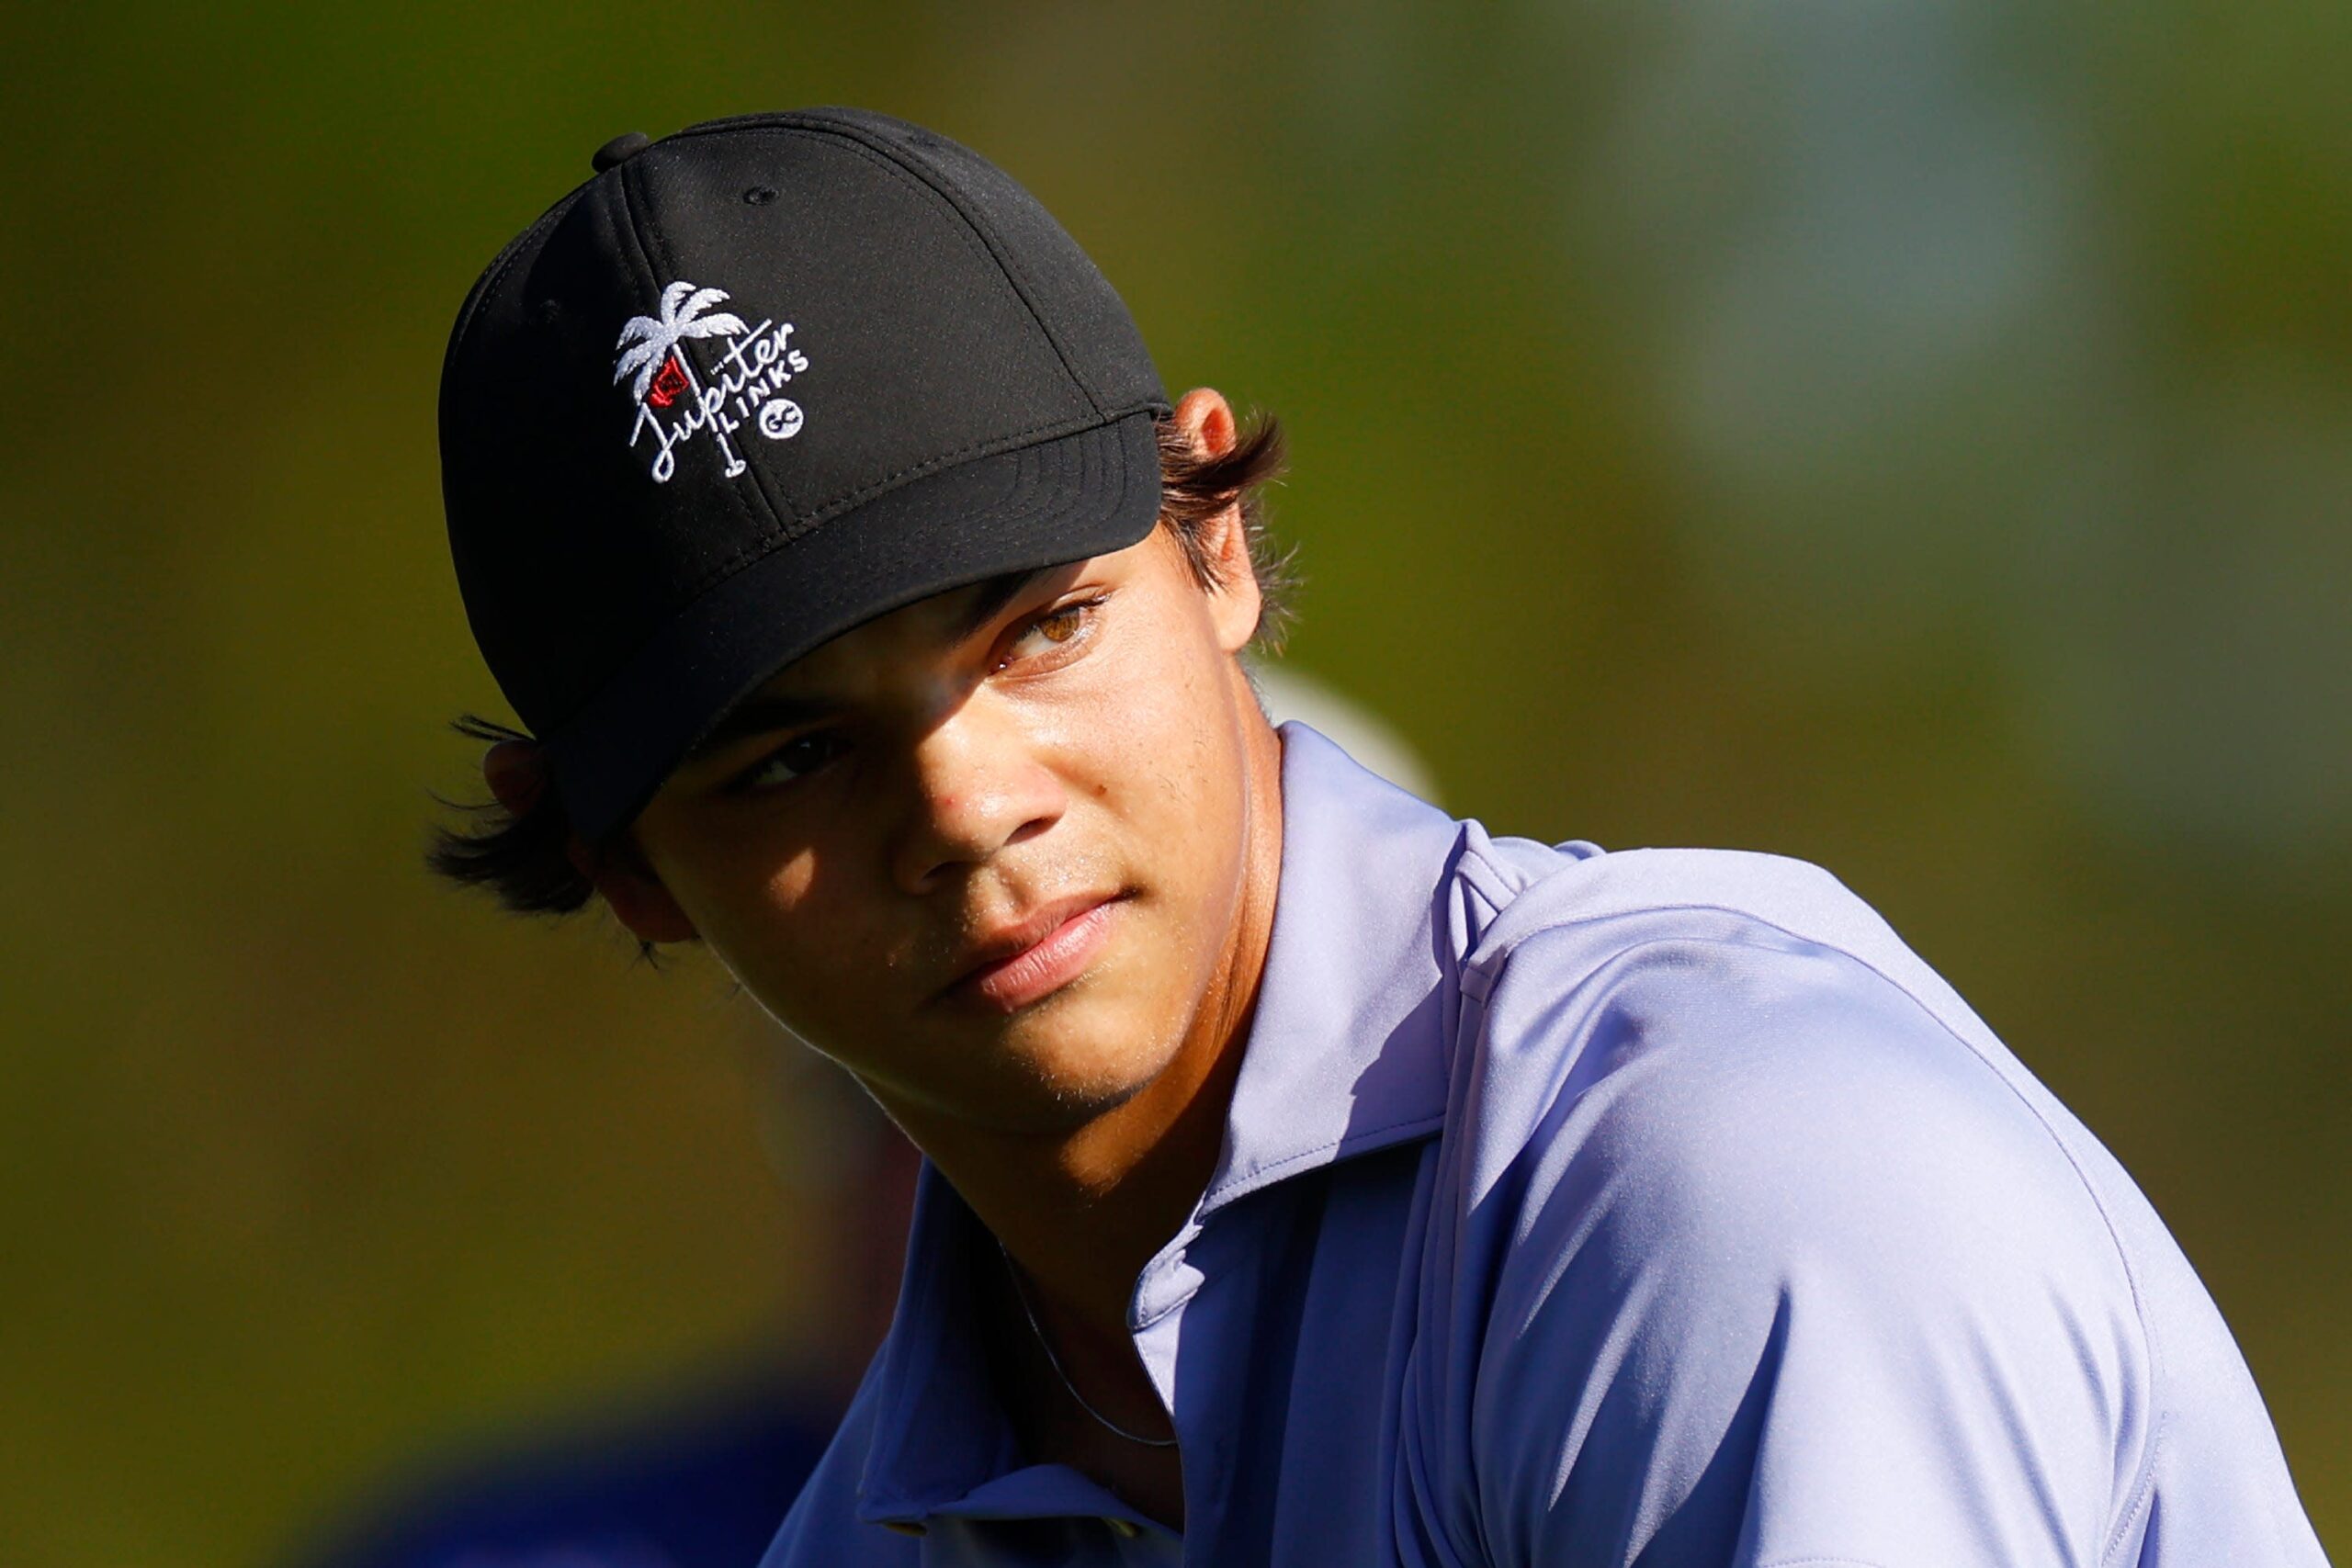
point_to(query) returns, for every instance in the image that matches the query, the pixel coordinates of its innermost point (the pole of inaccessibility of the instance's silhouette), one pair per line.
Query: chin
(1086, 1060)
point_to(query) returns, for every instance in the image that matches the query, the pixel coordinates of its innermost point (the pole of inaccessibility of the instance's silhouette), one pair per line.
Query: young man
(1310, 1177)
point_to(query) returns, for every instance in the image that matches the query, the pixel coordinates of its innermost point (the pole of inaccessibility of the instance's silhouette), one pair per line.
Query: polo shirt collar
(1346, 1054)
(1347, 1046)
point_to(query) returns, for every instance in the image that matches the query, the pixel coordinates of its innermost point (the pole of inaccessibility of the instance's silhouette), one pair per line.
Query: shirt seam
(2145, 1488)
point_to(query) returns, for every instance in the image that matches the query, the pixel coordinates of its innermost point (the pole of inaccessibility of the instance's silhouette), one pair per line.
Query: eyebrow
(763, 713)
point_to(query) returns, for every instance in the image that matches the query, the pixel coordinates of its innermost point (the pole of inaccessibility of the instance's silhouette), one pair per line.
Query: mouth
(1029, 959)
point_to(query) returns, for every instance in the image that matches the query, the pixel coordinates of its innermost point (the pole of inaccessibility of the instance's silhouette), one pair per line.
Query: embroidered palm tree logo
(650, 346)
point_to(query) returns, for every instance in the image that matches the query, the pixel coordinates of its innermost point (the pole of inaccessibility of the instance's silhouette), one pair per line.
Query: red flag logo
(668, 382)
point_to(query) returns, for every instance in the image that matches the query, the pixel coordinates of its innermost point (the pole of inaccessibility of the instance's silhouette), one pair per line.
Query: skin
(1096, 738)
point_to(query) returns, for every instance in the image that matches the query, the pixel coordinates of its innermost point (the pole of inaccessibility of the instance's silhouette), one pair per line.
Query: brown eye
(1056, 629)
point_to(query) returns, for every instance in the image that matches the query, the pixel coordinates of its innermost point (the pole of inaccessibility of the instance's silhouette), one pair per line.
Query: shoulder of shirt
(1533, 887)
(1730, 1042)
(1707, 926)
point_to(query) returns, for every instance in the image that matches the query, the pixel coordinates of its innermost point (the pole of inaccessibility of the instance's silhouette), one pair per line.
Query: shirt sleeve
(1779, 1273)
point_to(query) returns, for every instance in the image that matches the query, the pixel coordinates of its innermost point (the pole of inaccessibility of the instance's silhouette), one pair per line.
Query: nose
(978, 786)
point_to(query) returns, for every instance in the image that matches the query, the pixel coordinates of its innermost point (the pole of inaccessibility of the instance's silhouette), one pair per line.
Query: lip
(1030, 959)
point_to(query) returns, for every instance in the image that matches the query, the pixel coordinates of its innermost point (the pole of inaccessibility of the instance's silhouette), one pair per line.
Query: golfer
(1310, 1177)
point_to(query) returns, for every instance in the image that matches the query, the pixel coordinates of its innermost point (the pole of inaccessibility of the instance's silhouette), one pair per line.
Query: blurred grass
(1915, 440)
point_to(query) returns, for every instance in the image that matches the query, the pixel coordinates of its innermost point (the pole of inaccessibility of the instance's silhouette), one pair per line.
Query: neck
(1083, 1211)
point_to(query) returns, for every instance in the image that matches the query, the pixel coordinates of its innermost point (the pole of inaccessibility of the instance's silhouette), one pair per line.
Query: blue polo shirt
(1585, 1209)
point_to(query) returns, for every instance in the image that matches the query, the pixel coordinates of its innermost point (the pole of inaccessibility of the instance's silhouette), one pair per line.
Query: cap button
(620, 150)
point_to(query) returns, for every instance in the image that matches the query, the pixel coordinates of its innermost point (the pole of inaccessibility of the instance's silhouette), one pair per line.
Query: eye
(1056, 628)
(797, 758)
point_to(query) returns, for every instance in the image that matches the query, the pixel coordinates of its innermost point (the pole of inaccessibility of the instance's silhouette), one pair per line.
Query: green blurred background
(1914, 436)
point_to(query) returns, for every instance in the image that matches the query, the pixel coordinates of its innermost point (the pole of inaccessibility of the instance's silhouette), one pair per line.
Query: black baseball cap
(756, 384)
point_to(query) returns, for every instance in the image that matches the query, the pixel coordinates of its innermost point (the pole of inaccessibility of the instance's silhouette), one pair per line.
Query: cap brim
(1041, 505)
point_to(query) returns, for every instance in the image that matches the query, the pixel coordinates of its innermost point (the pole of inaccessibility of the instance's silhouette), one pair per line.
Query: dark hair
(524, 858)
(1194, 490)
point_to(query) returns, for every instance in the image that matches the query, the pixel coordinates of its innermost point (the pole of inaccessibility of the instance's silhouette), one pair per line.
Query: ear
(1235, 606)
(1206, 420)
(516, 771)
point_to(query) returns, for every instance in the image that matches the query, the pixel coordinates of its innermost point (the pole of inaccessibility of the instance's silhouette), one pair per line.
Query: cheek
(1170, 765)
(794, 933)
